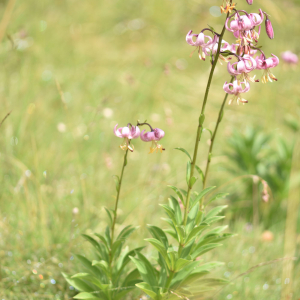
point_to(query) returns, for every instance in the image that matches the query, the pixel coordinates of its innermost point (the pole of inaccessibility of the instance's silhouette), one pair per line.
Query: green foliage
(178, 269)
(251, 153)
(108, 276)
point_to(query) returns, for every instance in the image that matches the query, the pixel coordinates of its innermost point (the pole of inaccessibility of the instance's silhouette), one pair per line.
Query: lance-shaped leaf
(172, 233)
(177, 210)
(144, 286)
(109, 215)
(126, 232)
(92, 241)
(216, 197)
(170, 212)
(187, 249)
(88, 265)
(177, 191)
(88, 277)
(117, 181)
(214, 219)
(124, 260)
(181, 263)
(116, 248)
(195, 232)
(201, 250)
(215, 211)
(78, 284)
(146, 270)
(161, 249)
(102, 265)
(191, 219)
(202, 194)
(85, 295)
(184, 151)
(133, 275)
(159, 234)
(200, 172)
(181, 233)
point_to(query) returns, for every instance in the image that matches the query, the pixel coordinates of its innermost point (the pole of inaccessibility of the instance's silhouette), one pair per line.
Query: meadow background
(71, 70)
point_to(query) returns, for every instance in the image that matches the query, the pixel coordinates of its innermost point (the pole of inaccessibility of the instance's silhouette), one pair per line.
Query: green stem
(168, 283)
(116, 205)
(221, 112)
(200, 125)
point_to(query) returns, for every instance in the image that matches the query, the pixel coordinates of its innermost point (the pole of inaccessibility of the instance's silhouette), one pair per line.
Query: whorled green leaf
(78, 284)
(146, 270)
(85, 295)
(203, 249)
(172, 233)
(215, 211)
(177, 191)
(177, 210)
(184, 151)
(88, 265)
(181, 233)
(116, 248)
(103, 265)
(212, 220)
(200, 172)
(161, 249)
(159, 234)
(117, 182)
(181, 263)
(145, 287)
(206, 129)
(126, 232)
(92, 241)
(109, 215)
(133, 275)
(170, 212)
(202, 194)
(103, 240)
(88, 277)
(195, 232)
(216, 197)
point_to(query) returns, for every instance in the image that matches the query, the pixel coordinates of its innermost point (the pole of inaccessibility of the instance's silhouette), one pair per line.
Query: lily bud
(250, 2)
(269, 29)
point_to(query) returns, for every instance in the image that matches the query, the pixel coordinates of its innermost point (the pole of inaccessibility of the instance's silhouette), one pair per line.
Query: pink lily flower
(289, 57)
(243, 67)
(128, 134)
(203, 47)
(266, 64)
(250, 2)
(154, 136)
(237, 90)
(243, 28)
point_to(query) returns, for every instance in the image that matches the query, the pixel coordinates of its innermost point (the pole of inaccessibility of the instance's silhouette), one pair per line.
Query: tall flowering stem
(200, 124)
(220, 116)
(117, 200)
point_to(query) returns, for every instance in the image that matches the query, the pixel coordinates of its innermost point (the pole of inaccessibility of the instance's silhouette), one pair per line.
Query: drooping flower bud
(269, 28)
(250, 2)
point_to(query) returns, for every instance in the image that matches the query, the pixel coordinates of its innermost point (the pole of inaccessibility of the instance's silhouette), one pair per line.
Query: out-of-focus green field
(116, 62)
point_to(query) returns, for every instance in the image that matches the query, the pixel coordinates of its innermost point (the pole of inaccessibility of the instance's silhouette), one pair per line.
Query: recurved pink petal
(134, 132)
(226, 88)
(189, 38)
(118, 132)
(231, 70)
(159, 134)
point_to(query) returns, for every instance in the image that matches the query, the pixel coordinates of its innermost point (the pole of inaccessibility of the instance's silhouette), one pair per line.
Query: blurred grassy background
(116, 62)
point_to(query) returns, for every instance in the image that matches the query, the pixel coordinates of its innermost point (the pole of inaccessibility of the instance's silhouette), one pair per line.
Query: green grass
(129, 57)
